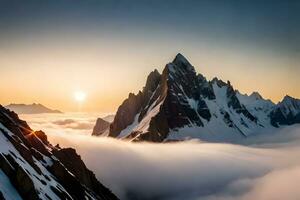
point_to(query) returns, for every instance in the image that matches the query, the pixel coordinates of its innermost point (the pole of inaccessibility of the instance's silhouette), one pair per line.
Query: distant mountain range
(180, 104)
(30, 109)
(32, 168)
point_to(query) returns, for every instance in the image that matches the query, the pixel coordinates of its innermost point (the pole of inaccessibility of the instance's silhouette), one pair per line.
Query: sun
(80, 96)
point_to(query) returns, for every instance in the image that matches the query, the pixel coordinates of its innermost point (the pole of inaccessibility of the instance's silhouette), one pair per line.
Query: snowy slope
(42, 185)
(218, 129)
(289, 106)
(7, 189)
(31, 168)
(259, 107)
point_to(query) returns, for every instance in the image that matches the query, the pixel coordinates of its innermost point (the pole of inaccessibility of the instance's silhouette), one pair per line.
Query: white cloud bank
(72, 123)
(264, 168)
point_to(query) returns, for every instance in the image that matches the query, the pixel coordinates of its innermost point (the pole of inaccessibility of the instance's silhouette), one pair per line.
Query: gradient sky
(50, 49)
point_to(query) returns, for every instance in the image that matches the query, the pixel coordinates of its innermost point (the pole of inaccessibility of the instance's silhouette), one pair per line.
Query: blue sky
(271, 23)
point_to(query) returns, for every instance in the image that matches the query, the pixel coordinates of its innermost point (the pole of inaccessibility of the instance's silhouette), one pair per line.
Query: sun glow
(80, 96)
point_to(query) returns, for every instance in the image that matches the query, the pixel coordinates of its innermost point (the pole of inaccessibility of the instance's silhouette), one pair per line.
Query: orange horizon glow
(108, 72)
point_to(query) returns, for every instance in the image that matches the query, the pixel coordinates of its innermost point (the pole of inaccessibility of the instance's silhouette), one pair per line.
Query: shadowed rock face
(181, 98)
(286, 112)
(38, 170)
(133, 105)
(234, 102)
(126, 113)
(72, 161)
(100, 127)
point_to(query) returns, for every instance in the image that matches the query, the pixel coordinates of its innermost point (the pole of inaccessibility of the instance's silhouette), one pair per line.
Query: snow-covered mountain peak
(289, 99)
(256, 96)
(286, 112)
(180, 103)
(255, 100)
(181, 64)
(219, 82)
(289, 105)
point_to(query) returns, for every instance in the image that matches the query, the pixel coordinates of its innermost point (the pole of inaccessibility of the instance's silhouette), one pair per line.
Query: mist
(262, 167)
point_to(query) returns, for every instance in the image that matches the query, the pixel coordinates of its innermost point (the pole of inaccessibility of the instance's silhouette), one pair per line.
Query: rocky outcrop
(18, 176)
(126, 113)
(39, 170)
(73, 162)
(134, 104)
(100, 127)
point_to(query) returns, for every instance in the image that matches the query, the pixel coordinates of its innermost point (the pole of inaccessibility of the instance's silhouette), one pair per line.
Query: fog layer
(265, 167)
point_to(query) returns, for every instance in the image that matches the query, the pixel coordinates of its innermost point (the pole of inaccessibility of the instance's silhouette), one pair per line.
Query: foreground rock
(34, 169)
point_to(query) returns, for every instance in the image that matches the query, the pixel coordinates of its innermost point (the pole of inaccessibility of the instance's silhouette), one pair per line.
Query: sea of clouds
(264, 167)
(71, 123)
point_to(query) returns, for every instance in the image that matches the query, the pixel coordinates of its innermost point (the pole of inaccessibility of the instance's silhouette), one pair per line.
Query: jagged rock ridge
(286, 112)
(179, 104)
(31, 168)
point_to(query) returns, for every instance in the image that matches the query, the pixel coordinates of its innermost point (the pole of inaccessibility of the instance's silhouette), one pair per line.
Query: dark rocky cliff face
(100, 127)
(38, 170)
(72, 161)
(178, 84)
(287, 112)
(126, 113)
(133, 105)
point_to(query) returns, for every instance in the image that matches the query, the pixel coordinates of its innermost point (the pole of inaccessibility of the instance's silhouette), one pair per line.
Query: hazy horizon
(53, 104)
